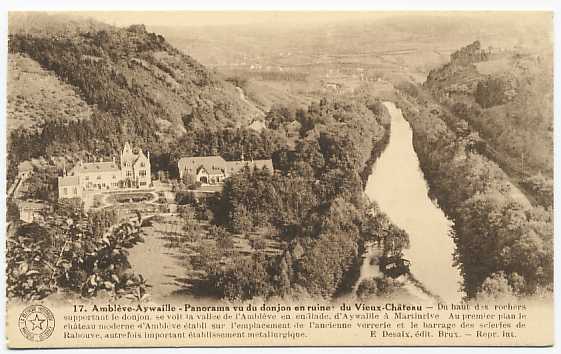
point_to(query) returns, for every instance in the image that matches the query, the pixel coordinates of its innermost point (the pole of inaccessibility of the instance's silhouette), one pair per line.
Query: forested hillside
(141, 89)
(36, 95)
(506, 95)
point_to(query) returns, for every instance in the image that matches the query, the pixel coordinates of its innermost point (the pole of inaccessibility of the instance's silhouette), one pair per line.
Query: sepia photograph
(193, 178)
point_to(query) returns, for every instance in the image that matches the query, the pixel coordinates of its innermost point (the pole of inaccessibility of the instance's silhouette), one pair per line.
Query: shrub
(367, 288)
(247, 278)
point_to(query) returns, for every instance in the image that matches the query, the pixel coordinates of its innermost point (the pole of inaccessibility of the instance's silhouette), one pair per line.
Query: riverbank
(500, 237)
(367, 268)
(398, 186)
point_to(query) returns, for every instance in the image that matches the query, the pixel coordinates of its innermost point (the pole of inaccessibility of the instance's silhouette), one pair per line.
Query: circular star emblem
(36, 323)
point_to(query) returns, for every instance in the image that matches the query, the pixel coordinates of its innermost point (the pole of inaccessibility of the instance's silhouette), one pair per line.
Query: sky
(211, 18)
(206, 18)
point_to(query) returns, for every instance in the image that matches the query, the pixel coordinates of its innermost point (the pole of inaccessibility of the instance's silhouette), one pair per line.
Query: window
(142, 183)
(87, 178)
(75, 190)
(142, 164)
(142, 173)
(64, 191)
(98, 177)
(129, 173)
(114, 177)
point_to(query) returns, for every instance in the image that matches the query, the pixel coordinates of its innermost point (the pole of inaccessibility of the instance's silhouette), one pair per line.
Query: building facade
(132, 171)
(135, 168)
(214, 169)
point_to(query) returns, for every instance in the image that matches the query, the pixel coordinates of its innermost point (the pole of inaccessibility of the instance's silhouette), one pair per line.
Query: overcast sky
(226, 18)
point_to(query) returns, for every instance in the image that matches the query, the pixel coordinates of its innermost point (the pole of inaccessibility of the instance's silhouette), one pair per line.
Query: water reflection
(398, 186)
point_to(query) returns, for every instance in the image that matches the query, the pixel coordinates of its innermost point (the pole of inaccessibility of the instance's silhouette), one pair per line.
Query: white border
(290, 5)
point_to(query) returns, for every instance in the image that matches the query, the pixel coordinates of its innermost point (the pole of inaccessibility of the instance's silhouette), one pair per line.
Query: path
(159, 264)
(243, 97)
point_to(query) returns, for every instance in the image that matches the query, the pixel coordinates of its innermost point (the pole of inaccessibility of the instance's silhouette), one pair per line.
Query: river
(398, 185)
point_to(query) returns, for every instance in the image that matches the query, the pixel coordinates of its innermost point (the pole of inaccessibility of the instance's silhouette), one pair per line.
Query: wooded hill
(506, 95)
(138, 86)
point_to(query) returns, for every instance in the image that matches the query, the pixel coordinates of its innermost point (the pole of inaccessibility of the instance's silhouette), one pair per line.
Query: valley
(334, 159)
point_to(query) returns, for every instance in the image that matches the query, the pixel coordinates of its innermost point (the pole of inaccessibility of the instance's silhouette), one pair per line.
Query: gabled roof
(94, 167)
(129, 156)
(212, 164)
(69, 181)
(216, 165)
(140, 156)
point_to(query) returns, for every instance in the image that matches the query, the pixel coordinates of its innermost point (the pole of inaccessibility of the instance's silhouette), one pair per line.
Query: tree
(495, 286)
(241, 220)
(245, 279)
(99, 221)
(12, 211)
(322, 268)
(285, 275)
(367, 288)
(188, 180)
(223, 238)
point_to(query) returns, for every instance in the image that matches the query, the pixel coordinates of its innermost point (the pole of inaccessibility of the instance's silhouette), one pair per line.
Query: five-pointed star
(37, 322)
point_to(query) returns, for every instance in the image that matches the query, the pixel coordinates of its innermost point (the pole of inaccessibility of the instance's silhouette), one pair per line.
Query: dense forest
(314, 204)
